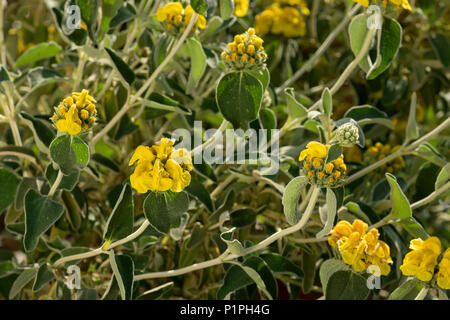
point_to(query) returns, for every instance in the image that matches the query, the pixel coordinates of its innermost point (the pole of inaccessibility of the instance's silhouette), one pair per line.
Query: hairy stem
(325, 45)
(263, 244)
(56, 184)
(104, 249)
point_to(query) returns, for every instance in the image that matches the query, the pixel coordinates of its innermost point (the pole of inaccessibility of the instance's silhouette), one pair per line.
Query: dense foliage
(120, 176)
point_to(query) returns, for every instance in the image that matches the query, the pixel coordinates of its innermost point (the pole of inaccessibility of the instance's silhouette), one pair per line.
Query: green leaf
(412, 129)
(22, 280)
(109, 11)
(87, 294)
(40, 51)
(198, 64)
(441, 46)
(243, 217)
(226, 8)
(40, 214)
(401, 209)
(89, 12)
(253, 270)
(40, 76)
(331, 213)
(197, 236)
(428, 152)
(263, 76)
(414, 228)
(124, 14)
(198, 191)
(281, 265)
(43, 135)
(4, 75)
(123, 68)
(106, 162)
(328, 268)
(334, 153)
(44, 276)
(120, 222)
(234, 245)
(67, 182)
(443, 177)
(239, 97)
(295, 108)
(408, 290)
(70, 153)
(425, 181)
(8, 186)
(366, 114)
(346, 285)
(391, 39)
(25, 185)
(164, 209)
(123, 268)
(327, 102)
(290, 199)
(389, 44)
(199, 6)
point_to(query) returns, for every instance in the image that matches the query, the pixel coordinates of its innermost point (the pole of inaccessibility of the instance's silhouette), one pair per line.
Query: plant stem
(211, 140)
(374, 166)
(56, 184)
(431, 197)
(351, 67)
(263, 244)
(104, 250)
(325, 45)
(144, 87)
(402, 151)
(422, 294)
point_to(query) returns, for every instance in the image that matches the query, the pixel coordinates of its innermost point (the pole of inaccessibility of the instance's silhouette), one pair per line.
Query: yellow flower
(246, 52)
(364, 3)
(173, 15)
(286, 20)
(75, 113)
(398, 3)
(163, 148)
(360, 249)
(331, 174)
(421, 261)
(240, 8)
(315, 150)
(161, 168)
(71, 122)
(443, 275)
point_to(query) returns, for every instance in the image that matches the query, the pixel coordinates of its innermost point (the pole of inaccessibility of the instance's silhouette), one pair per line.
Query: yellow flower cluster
(286, 21)
(331, 174)
(380, 151)
(359, 248)
(398, 3)
(443, 275)
(246, 52)
(161, 167)
(75, 113)
(423, 259)
(176, 18)
(240, 8)
(300, 4)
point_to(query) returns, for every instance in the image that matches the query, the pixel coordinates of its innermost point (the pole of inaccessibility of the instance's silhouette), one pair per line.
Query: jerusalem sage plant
(327, 176)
